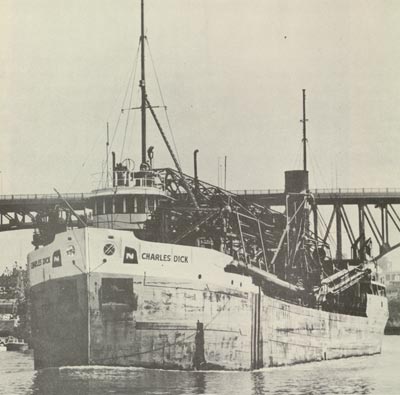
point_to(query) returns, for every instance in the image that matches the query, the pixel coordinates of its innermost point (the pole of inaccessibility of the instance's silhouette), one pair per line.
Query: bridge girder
(18, 212)
(377, 218)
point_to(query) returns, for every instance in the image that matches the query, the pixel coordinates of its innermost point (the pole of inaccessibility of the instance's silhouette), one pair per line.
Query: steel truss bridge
(343, 217)
(359, 214)
(20, 211)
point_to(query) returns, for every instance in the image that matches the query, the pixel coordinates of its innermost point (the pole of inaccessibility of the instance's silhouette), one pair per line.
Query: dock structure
(377, 215)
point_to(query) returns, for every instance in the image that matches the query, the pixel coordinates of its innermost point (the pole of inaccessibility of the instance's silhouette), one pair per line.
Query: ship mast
(142, 85)
(304, 140)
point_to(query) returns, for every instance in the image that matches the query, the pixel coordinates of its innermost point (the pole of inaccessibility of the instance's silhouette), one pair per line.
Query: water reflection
(103, 380)
(322, 378)
(364, 375)
(53, 381)
(317, 378)
(200, 383)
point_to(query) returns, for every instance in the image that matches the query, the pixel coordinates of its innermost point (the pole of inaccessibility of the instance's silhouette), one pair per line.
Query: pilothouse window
(119, 204)
(99, 206)
(140, 204)
(109, 205)
(131, 204)
(152, 203)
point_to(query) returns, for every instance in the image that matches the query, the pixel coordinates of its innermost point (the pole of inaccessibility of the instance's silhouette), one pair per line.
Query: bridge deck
(269, 196)
(36, 201)
(328, 196)
(19, 211)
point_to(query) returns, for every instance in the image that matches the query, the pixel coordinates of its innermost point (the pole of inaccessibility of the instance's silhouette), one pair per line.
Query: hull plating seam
(135, 324)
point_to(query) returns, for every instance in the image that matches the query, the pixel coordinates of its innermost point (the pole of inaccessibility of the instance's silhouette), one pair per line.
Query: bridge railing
(332, 191)
(356, 190)
(257, 191)
(66, 196)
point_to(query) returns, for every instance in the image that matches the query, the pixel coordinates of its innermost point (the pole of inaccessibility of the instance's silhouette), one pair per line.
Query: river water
(379, 374)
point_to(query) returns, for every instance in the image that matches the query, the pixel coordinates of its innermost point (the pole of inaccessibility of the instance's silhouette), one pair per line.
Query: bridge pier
(339, 252)
(361, 230)
(315, 218)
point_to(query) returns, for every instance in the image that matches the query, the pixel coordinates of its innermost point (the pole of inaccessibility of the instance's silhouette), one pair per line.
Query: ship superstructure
(173, 272)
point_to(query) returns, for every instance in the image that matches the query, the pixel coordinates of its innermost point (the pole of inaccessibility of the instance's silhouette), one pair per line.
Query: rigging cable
(126, 94)
(127, 123)
(99, 135)
(100, 180)
(130, 81)
(315, 164)
(162, 100)
(296, 162)
(330, 238)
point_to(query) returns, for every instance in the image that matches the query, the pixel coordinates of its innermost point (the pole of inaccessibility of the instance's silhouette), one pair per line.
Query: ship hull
(105, 297)
(158, 322)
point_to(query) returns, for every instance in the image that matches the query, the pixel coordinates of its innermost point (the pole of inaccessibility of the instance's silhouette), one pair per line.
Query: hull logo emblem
(130, 255)
(109, 249)
(56, 262)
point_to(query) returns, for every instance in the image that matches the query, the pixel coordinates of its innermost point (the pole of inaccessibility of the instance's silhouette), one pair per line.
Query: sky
(231, 74)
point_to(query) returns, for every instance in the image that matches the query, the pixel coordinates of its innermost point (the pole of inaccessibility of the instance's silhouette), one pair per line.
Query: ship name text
(40, 262)
(165, 257)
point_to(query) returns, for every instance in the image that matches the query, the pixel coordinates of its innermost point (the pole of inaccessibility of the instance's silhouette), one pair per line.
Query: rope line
(162, 100)
(296, 162)
(317, 166)
(94, 145)
(131, 83)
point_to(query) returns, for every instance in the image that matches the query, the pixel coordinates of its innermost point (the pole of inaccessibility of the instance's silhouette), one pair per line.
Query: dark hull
(59, 319)
(392, 330)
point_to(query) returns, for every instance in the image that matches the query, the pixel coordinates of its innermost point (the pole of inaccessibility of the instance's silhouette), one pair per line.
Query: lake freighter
(172, 272)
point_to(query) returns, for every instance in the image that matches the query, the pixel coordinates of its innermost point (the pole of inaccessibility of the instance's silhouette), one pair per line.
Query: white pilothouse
(129, 202)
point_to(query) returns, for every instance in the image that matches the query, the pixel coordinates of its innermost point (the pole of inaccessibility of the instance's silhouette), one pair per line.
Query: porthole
(199, 276)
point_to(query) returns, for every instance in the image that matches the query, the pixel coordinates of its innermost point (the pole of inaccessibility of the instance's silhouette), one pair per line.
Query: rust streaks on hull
(135, 324)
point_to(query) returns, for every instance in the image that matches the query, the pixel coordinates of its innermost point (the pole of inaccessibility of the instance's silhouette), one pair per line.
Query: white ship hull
(168, 306)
